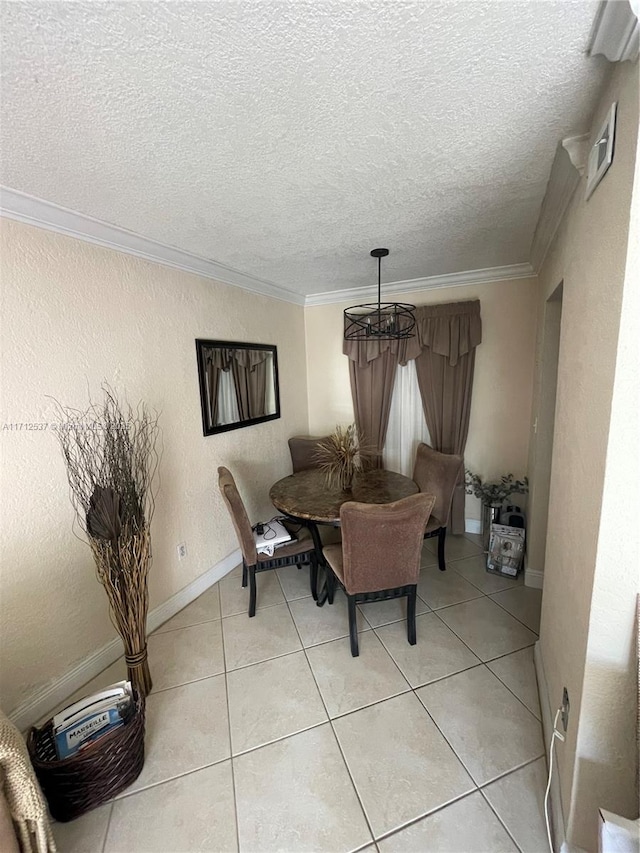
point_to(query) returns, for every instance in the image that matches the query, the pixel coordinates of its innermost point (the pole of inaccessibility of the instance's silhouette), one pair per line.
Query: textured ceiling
(287, 139)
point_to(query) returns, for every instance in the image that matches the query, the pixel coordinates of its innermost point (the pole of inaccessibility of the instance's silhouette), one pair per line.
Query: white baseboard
(472, 525)
(43, 701)
(159, 615)
(533, 578)
(571, 848)
(557, 817)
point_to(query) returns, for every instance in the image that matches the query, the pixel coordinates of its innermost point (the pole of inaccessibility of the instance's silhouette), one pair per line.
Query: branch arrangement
(341, 455)
(111, 458)
(495, 492)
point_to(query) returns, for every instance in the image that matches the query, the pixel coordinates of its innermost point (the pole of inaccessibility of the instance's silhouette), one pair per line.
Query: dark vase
(490, 515)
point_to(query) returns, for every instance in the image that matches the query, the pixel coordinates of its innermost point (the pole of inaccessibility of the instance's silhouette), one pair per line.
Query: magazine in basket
(92, 717)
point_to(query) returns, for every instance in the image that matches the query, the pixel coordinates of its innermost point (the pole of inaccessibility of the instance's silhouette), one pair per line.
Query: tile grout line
(415, 820)
(481, 790)
(337, 740)
(226, 690)
(494, 809)
(481, 663)
(330, 719)
(501, 776)
(510, 613)
(106, 833)
(422, 705)
(486, 663)
(509, 688)
(121, 797)
(159, 631)
(413, 690)
(489, 660)
(500, 821)
(185, 683)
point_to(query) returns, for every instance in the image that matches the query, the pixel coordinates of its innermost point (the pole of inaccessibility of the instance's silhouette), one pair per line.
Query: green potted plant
(493, 494)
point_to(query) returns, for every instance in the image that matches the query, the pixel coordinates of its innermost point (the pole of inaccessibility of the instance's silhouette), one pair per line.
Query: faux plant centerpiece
(111, 458)
(341, 456)
(494, 493)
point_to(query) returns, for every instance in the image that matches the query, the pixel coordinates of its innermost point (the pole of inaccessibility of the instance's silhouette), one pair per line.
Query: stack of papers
(91, 718)
(274, 534)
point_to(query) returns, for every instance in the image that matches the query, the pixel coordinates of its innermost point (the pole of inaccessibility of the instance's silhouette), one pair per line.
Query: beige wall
(75, 315)
(590, 577)
(501, 406)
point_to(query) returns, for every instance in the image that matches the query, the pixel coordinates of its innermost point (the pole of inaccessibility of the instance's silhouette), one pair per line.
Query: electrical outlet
(182, 550)
(565, 708)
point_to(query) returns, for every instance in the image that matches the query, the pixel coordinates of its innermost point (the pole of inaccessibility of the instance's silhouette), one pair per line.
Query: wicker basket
(82, 782)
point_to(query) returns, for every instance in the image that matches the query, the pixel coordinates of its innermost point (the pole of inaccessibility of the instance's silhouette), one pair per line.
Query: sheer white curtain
(270, 400)
(407, 426)
(227, 400)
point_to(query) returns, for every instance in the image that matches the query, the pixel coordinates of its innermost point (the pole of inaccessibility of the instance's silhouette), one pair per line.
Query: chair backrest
(238, 514)
(437, 474)
(303, 449)
(382, 543)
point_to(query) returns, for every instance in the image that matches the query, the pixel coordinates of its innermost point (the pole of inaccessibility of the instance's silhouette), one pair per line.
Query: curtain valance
(451, 329)
(222, 358)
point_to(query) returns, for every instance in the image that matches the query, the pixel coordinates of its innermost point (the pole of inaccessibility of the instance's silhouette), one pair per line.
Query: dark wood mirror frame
(238, 361)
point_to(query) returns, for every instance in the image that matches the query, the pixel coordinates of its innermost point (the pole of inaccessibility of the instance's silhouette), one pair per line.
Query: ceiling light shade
(383, 321)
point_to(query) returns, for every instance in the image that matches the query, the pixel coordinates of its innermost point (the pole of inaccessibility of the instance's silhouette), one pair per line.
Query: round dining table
(307, 498)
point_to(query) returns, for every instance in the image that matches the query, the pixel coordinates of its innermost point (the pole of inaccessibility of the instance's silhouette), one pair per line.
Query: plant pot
(490, 515)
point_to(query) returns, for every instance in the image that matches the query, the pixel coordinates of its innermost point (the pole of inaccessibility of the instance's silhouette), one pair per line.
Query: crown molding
(434, 282)
(563, 180)
(577, 147)
(52, 217)
(616, 33)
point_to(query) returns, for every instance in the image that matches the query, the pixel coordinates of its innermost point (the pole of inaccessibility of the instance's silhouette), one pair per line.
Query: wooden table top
(306, 494)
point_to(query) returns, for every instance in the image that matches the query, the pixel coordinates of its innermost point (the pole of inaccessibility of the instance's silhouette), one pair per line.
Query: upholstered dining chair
(295, 553)
(437, 474)
(379, 557)
(303, 449)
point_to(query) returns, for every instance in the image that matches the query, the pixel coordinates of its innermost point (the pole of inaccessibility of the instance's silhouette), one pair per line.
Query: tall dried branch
(111, 456)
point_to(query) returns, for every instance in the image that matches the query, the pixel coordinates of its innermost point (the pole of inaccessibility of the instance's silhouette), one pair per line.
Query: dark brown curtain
(444, 351)
(448, 335)
(213, 381)
(217, 360)
(249, 371)
(371, 388)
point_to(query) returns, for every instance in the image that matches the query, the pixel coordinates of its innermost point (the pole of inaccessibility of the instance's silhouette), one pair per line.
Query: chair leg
(442, 533)
(353, 626)
(411, 617)
(252, 590)
(313, 571)
(331, 583)
(244, 573)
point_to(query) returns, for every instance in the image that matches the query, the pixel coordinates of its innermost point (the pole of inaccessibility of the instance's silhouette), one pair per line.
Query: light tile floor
(264, 734)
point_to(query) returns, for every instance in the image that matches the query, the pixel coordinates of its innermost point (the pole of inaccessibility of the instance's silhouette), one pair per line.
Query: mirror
(238, 384)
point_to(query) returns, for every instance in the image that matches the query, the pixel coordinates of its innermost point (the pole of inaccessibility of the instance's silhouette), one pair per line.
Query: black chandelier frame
(381, 321)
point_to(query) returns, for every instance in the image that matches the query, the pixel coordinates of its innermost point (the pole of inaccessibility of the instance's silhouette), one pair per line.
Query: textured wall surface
(591, 578)
(501, 405)
(287, 139)
(75, 315)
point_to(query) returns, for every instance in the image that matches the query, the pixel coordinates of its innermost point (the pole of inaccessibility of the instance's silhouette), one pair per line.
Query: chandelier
(383, 321)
